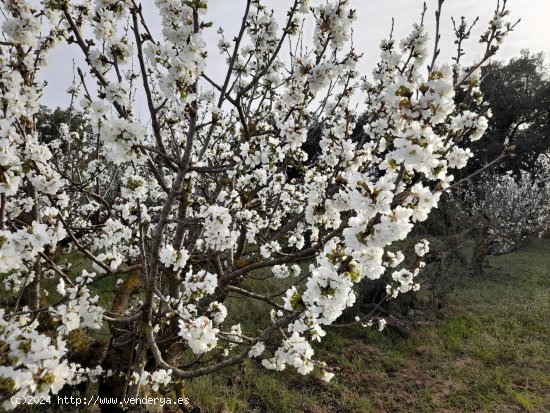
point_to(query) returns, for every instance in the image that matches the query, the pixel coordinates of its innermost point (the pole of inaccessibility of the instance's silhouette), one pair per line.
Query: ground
(486, 351)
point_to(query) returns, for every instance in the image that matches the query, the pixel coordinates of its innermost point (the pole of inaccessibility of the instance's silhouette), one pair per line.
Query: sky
(373, 24)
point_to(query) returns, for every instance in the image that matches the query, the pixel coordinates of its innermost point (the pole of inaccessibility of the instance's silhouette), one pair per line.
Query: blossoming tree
(211, 193)
(507, 210)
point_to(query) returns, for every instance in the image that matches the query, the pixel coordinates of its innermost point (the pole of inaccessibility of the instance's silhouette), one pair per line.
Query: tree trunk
(481, 250)
(119, 357)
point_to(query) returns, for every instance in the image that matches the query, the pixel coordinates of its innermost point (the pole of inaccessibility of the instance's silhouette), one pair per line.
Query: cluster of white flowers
(24, 245)
(31, 363)
(82, 310)
(111, 241)
(161, 378)
(23, 26)
(180, 60)
(334, 23)
(470, 121)
(283, 271)
(217, 228)
(403, 281)
(199, 333)
(293, 136)
(121, 139)
(217, 312)
(257, 349)
(134, 186)
(295, 351)
(422, 248)
(172, 258)
(196, 285)
(156, 379)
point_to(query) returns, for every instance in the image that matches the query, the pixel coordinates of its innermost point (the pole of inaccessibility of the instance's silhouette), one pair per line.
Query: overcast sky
(373, 24)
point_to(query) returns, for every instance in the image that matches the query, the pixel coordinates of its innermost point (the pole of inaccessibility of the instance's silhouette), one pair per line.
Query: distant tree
(519, 95)
(49, 122)
(503, 211)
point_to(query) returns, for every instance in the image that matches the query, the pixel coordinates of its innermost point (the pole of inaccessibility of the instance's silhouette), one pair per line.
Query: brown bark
(481, 250)
(119, 350)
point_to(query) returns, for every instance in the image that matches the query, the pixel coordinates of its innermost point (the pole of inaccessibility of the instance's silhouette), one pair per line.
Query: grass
(488, 352)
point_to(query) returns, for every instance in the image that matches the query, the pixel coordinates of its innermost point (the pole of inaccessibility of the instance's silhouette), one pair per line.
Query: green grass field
(488, 351)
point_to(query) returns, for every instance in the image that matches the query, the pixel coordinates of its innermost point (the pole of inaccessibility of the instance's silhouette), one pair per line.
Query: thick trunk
(119, 351)
(481, 250)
